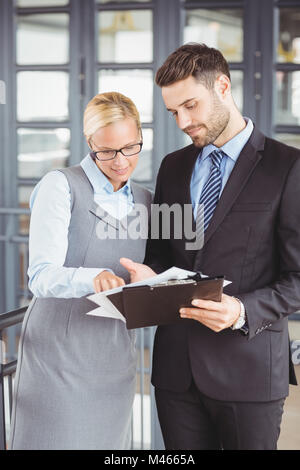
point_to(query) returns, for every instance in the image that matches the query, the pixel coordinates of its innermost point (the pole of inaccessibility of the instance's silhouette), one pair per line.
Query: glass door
(287, 73)
(57, 54)
(220, 25)
(124, 63)
(43, 123)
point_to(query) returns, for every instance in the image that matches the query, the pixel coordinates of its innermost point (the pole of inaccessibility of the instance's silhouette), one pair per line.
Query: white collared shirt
(202, 167)
(49, 226)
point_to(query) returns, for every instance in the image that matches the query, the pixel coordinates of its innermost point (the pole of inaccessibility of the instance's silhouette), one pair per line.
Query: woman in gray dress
(75, 380)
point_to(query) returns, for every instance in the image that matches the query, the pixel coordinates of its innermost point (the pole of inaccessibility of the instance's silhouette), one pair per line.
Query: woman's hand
(106, 280)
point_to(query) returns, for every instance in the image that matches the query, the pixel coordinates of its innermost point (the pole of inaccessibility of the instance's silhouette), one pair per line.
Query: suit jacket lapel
(241, 172)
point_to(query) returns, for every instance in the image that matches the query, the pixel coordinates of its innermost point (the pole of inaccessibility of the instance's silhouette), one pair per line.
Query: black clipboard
(159, 304)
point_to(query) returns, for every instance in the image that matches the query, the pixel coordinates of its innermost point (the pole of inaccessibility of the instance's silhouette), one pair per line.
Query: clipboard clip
(197, 277)
(173, 282)
(200, 277)
(188, 280)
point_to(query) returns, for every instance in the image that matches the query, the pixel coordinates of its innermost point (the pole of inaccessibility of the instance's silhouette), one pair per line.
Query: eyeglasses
(128, 151)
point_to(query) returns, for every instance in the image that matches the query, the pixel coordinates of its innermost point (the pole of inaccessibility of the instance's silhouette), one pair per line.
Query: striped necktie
(211, 190)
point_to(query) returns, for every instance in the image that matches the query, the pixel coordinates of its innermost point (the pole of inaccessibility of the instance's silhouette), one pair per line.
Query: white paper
(106, 307)
(172, 273)
(101, 312)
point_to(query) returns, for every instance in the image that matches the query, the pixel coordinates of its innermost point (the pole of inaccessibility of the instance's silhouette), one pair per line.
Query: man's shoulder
(280, 158)
(281, 149)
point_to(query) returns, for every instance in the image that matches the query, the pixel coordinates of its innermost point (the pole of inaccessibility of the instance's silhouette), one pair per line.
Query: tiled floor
(290, 427)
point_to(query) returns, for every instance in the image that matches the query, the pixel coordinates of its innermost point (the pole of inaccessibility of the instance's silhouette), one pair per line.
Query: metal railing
(14, 257)
(145, 431)
(7, 370)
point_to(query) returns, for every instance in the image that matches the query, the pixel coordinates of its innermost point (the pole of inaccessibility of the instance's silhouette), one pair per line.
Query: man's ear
(222, 86)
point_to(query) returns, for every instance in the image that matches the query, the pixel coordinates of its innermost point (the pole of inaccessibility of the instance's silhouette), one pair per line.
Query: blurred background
(55, 55)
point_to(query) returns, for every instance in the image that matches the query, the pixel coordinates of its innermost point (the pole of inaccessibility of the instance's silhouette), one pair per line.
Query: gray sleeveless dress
(75, 379)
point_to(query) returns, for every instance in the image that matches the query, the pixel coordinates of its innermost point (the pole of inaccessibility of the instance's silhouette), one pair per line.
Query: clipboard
(159, 304)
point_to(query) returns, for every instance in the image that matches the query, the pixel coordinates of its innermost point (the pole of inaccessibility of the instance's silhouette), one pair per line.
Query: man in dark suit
(221, 374)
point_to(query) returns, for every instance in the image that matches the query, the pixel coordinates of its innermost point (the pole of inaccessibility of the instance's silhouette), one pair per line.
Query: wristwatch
(240, 322)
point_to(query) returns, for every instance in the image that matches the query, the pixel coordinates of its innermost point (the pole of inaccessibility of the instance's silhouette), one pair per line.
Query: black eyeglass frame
(94, 154)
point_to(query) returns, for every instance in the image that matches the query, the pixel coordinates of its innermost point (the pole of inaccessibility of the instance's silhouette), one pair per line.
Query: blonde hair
(106, 108)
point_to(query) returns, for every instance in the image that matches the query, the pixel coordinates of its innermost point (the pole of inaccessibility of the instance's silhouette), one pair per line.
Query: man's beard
(215, 125)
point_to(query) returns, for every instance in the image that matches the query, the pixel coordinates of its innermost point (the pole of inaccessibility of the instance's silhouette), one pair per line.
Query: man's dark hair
(203, 63)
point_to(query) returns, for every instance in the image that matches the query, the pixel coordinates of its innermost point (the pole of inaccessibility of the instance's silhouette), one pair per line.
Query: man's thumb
(128, 264)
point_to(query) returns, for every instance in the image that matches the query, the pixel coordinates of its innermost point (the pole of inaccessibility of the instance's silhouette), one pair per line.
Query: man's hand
(215, 315)
(106, 280)
(137, 271)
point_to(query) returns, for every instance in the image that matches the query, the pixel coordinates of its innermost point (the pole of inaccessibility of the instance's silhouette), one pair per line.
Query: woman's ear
(92, 153)
(88, 141)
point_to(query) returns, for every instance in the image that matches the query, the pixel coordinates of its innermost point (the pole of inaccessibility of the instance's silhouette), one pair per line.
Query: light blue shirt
(202, 167)
(50, 205)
